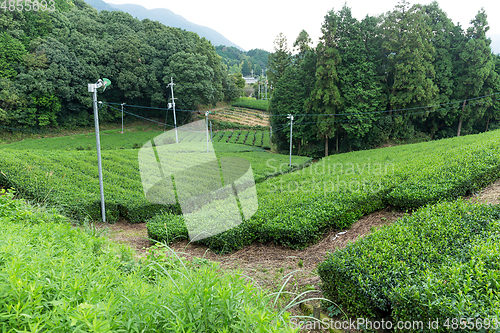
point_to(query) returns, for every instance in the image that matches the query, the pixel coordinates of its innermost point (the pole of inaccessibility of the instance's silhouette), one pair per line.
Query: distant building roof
(250, 80)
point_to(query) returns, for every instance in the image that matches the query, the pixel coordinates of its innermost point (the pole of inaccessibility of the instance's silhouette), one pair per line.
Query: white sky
(255, 24)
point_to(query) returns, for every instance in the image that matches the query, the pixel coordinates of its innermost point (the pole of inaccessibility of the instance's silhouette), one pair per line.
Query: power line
(135, 115)
(148, 107)
(386, 111)
(388, 116)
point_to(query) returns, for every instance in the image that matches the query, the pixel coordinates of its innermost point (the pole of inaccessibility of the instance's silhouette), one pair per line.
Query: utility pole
(92, 87)
(291, 125)
(262, 77)
(211, 134)
(266, 89)
(258, 96)
(206, 122)
(171, 85)
(122, 115)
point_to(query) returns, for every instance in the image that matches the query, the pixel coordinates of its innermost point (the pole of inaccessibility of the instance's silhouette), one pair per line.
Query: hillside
(239, 61)
(53, 57)
(166, 17)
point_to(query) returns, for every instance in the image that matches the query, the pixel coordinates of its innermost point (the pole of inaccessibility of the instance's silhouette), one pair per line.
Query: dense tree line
(410, 74)
(48, 58)
(238, 61)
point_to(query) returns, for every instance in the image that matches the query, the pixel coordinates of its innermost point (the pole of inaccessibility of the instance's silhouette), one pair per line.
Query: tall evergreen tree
(410, 64)
(474, 67)
(302, 44)
(446, 36)
(360, 89)
(279, 60)
(325, 98)
(290, 96)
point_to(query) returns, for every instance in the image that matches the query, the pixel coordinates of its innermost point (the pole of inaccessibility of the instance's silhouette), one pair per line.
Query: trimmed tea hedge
(296, 208)
(252, 103)
(69, 179)
(167, 228)
(110, 139)
(441, 262)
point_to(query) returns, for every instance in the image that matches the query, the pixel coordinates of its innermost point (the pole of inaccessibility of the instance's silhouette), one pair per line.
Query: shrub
(167, 228)
(252, 103)
(397, 268)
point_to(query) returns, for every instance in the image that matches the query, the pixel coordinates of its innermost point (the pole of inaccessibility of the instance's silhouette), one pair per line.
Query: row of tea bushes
(296, 208)
(69, 180)
(440, 263)
(110, 139)
(462, 169)
(57, 278)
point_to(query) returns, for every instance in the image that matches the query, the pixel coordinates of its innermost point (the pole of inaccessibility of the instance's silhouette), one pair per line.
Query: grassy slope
(56, 278)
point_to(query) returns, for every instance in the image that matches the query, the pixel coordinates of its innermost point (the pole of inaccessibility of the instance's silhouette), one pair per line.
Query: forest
(406, 76)
(49, 58)
(238, 61)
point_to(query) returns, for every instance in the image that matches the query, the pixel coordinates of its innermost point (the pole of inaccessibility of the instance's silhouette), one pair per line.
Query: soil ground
(269, 265)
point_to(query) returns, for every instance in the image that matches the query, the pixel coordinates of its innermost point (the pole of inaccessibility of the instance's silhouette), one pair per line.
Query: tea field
(110, 139)
(240, 116)
(440, 262)
(251, 138)
(252, 103)
(440, 265)
(296, 208)
(58, 171)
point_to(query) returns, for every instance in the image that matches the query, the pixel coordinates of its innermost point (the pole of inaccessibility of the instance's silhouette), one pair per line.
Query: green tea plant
(438, 263)
(250, 138)
(296, 208)
(252, 103)
(69, 179)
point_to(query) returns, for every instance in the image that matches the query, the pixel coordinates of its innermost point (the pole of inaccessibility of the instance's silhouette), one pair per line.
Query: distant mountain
(167, 17)
(495, 43)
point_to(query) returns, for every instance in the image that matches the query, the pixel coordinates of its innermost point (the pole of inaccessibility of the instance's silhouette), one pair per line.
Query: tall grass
(57, 278)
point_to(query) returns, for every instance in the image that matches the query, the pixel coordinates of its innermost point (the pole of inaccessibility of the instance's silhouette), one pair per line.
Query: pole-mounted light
(93, 89)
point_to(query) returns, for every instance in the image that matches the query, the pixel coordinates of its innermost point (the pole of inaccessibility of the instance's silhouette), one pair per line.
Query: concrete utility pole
(171, 85)
(122, 115)
(206, 122)
(291, 126)
(262, 77)
(266, 89)
(92, 87)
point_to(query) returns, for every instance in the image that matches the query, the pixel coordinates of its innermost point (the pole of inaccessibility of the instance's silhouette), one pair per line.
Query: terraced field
(250, 138)
(241, 116)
